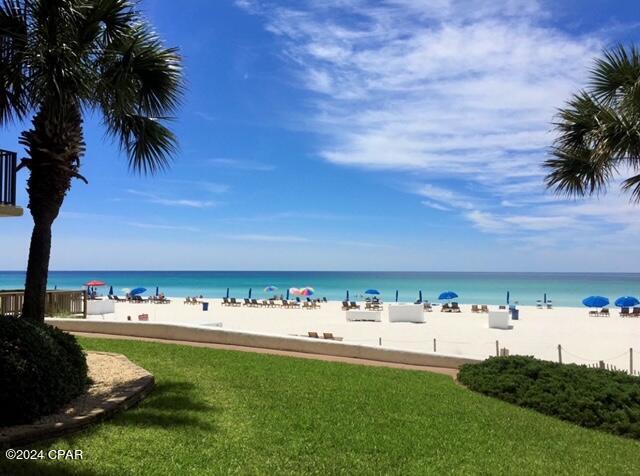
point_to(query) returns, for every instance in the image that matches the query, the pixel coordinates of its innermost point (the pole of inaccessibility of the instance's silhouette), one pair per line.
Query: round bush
(593, 398)
(41, 369)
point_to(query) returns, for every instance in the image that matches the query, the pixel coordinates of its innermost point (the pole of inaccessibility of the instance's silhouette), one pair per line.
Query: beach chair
(549, 305)
(594, 313)
(247, 302)
(455, 307)
(233, 302)
(345, 305)
(418, 301)
(255, 303)
(539, 304)
(445, 308)
(324, 299)
(330, 336)
(605, 312)
(427, 306)
(484, 308)
(354, 305)
(502, 307)
(624, 312)
(314, 335)
(636, 312)
(307, 305)
(225, 301)
(475, 308)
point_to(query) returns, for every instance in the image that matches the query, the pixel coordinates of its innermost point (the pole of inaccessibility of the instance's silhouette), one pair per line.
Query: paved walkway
(453, 373)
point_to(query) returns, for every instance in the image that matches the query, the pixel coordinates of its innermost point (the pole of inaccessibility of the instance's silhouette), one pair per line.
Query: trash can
(205, 306)
(515, 314)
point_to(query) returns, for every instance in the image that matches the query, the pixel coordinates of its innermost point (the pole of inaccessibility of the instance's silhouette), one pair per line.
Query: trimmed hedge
(41, 369)
(593, 398)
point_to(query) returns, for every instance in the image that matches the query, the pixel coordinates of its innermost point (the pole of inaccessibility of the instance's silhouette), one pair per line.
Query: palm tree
(599, 130)
(60, 59)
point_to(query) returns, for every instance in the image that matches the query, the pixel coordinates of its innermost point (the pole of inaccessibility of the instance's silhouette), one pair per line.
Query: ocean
(564, 289)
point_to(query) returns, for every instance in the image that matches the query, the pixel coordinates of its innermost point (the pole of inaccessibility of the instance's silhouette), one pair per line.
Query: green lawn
(232, 412)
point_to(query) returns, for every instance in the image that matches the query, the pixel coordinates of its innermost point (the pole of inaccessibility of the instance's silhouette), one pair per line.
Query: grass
(216, 412)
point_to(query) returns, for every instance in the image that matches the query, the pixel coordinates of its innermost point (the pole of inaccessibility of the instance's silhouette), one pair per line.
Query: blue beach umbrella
(420, 295)
(396, 295)
(157, 291)
(447, 295)
(372, 292)
(270, 289)
(627, 301)
(110, 290)
(227, 293)
(595, 301)
(136, 291)
(347, 298)
(287, 294)
(508, 295)
(250, 292)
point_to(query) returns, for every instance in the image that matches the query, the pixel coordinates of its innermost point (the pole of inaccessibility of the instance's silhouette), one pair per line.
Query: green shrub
(593, 398)
(41, 369)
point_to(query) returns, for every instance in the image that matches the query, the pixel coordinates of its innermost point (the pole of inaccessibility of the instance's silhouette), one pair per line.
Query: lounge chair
(484, 308)
(475, 308)
(247, 302)
(330, 336)
(605, 312)
(445, 308)
(594, 313)
(255, 303)
(354, 305)
(539, 304)
(418, 301)
(624, 312)
(233, 302)
(314, 335)
(455, 307)
(307, 305)
(636, 312)
(324, 299)
(549, 305)
(225, 301)
(345, 305)
(427, 306)
(502, 307)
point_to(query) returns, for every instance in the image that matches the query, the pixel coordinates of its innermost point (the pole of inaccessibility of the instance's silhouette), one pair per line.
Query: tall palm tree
(599, 130)
(60, 59)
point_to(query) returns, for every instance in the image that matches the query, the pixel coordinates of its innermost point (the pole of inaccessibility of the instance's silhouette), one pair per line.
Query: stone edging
(132, 393)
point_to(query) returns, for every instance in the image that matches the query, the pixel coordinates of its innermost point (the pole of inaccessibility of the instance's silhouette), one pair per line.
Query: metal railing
(8, 164)
(65, 303)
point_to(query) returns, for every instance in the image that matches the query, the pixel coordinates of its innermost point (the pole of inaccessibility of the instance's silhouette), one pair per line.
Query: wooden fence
(58, 303)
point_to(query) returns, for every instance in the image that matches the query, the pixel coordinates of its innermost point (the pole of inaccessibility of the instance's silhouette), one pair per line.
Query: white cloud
(459, 91)
(172, 202)
(269, 238)
(154, 226)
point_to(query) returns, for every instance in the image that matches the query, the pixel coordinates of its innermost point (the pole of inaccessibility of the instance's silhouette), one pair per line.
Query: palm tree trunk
(55, 145)
(35, 289)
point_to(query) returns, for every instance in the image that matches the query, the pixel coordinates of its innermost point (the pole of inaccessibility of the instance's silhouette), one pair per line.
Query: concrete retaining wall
(294, 344)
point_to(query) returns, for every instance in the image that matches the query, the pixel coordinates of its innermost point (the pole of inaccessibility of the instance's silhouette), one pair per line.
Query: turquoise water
(565, 289)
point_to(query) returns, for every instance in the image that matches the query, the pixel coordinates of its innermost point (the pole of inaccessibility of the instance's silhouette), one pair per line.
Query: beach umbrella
(347, 298)
(126, 290)
(270, 289)
(420, 295)
(157, 291)
(250, 292)
(307, 291)
(95, 283)
(373, 292)
(227, 293)
(287, 294)
(396, 295)
(294, 291)
(627, 301)
(447, 295)
(508, 297)
(595, 301)
(136, 291)
(110, 290)
(545, 298)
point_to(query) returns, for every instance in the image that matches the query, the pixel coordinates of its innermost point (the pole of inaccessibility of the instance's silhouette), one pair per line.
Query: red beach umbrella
(95, 283)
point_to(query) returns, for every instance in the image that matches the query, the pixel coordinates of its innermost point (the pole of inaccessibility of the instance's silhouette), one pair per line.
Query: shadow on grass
(171, 404)
(42, 468)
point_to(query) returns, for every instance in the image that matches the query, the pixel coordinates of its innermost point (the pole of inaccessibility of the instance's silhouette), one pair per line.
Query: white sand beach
(538, 332)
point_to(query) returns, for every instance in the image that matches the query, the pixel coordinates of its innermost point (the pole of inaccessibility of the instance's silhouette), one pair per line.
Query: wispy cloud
(459, 91)
(241, 164)
(211, 187)
(269, 238)
(155, 226)
(172, 202)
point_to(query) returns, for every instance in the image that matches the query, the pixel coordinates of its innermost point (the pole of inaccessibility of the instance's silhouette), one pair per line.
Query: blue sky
(353, 134)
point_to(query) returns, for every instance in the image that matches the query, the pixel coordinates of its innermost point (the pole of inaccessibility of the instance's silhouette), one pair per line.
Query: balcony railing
(8, 163)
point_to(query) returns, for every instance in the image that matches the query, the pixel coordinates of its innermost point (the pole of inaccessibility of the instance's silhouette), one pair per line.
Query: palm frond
(14, 102)
(577, 172)
(148, 143)
(633, 184)
(618, 70)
